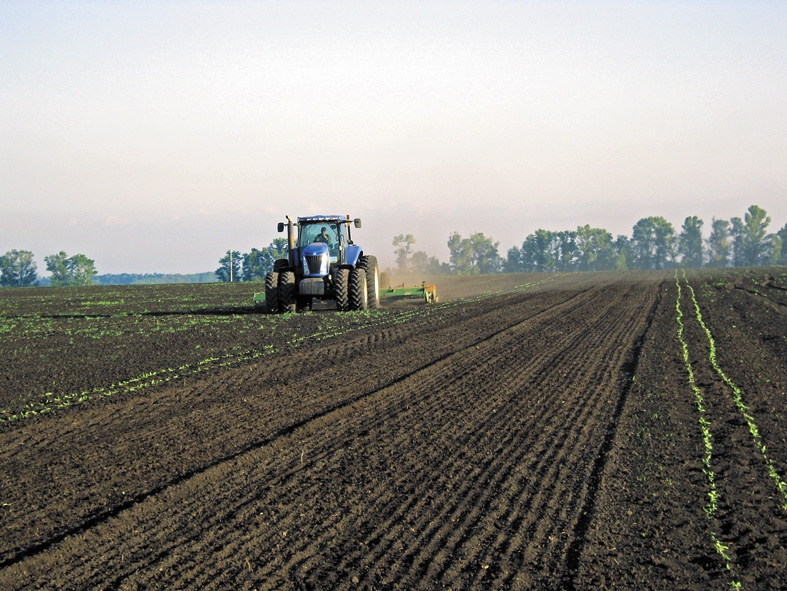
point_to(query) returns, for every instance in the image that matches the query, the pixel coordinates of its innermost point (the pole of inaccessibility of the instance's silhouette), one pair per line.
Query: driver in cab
(323, 237)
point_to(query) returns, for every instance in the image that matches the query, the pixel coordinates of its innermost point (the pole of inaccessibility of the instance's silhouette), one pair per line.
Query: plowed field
(597, 430)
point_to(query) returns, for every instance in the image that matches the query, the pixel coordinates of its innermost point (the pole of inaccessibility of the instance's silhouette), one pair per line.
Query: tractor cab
(331, 234)
(324, 242)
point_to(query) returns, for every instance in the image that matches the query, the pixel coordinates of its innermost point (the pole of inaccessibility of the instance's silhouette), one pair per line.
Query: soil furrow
(307, 492)
(497, 442)
(113, 511)
(90, 436)
(627, 373)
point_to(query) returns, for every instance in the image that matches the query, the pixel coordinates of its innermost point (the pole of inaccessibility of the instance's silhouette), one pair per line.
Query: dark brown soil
(542, 433)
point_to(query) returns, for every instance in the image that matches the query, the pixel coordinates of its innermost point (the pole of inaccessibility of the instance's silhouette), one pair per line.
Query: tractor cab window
(327, 233)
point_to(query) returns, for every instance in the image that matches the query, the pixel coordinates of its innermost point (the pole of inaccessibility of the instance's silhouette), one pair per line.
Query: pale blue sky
(153, 136)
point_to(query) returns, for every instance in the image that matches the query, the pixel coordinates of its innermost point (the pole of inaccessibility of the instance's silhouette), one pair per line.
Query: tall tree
(229, 266)
(403, 244)
(565, 249)
(57, 265)
(513, 262)
(594, 249)
(256, 264)
(622, 252)
(775, 245)
(460, 253)
(484, 255)
(756, 249)
(82, 269)
(737, 232)
(665, 243)
(74, 270)
(719, 245)
(782, 234)
(278, 249)
(690, 242)
(643, 244)
(17, 268)
(537, 253)
(653, 243)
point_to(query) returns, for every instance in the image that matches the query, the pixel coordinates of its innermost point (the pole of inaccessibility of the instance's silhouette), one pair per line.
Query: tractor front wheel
(341, 279)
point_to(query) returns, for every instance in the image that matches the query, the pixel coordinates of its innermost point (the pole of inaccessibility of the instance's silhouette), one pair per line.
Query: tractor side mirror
(357, 222)
(281, 226)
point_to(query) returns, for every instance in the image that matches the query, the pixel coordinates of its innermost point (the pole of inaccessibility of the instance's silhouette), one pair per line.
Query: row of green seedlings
(711, 506)
(737, 395)
(50, 401)
(373, 318)
(38, 328)
(163, 292)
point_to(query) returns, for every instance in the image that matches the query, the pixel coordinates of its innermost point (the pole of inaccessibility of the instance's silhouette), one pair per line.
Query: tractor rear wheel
(358, 294)
(369, 263)
(341, 279)
(272, 292)
(287, 292)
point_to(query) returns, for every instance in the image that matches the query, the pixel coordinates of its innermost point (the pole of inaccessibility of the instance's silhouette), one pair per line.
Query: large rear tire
(369, 263)
(358, 294)
(288, 298)
(341, 279)
(272, 292)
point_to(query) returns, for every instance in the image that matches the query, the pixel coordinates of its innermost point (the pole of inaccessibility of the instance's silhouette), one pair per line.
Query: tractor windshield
(326, 232)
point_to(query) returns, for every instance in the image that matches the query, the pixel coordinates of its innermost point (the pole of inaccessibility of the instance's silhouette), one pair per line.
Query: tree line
(251, 266)
(18, 269)
(654, 244)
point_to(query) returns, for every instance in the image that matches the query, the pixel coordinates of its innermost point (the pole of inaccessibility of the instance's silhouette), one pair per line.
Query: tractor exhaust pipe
(291, 242)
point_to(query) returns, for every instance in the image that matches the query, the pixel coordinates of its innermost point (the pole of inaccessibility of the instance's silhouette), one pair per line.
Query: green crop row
(737, 395)
(707, 437)
(107, 300)
(50, 401)
(331, 326)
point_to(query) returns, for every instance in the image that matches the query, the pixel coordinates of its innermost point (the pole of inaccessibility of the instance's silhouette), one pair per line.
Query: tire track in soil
(343, 350)
(482, 501)
(548, 460)
(385, 526)
(588, 512)
(465, 377)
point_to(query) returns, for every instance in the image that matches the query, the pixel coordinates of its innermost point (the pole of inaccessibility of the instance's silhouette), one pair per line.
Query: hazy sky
(154, 136)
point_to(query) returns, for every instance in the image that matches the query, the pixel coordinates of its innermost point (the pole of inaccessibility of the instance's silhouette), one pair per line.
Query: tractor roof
(323, 218)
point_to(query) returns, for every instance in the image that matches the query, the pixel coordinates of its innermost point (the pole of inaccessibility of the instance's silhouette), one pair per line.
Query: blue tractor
(322, 263)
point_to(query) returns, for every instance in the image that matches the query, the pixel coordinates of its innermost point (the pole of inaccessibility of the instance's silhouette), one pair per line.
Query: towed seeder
(425, 293)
